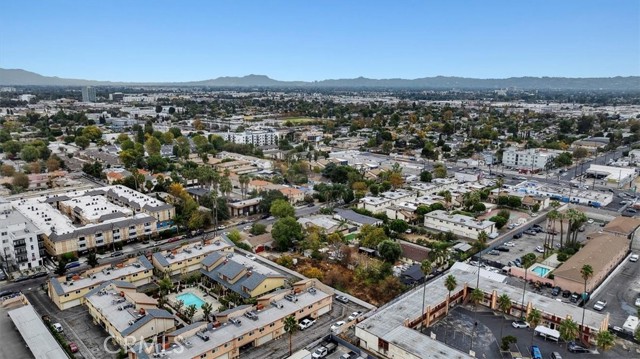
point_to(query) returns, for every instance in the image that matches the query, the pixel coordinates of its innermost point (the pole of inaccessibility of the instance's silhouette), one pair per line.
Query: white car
(251, 256)
(306, 323)
(637, 302)
(590, 220)
(539, 249)
(58, 327)
(599, 306)
(354, 315)
(520, 324)
(510, 244)
(634, 258)
(337, 325)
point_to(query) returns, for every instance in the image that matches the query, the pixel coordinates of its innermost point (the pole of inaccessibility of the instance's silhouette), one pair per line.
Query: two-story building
(188, 258)
(458, 224)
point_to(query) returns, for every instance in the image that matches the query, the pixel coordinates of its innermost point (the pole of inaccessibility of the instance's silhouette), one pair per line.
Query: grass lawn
(299, 120)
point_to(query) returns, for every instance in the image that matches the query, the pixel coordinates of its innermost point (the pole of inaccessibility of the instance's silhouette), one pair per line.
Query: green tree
(504, 305)
(207, 308)
(92, 260)
(29, 153)
(92, 133)
(234, 236)
(258, 229)
(390, 251)
(586, 272)
(152, 145)
(398, 226)
(534, 318)
(450, 283)
(61, 268)
(82, 142)
(280, 208)
(426, 176)
(190, 311)
(370, 236)
(285, 232)
(20, 180)
(568, 330)
(499, 221)
(290, 326)
(580, 153)
(605, 340)
(440, 172)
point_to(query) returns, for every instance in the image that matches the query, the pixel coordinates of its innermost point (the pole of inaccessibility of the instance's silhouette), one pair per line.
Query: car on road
(117, 254)
(631, 210)
(590, 221)
(520, 324)
(530, 232)
(539, 249)
(246, 228)
(306, 323)
(57, 327)
(354, 315)
(251, 256)
(342, 298)
(73, 347)
(493, 252)
(555, 291)
(510, 244)
(535, 352)
(502, 249)
(517, 235)
(600, 305)
(337, 325)
(634, 258)
(556, 355)
(7, 293)
(575, 348)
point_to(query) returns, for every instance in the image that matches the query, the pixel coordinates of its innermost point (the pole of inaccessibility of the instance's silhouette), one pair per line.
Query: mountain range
(19, 77)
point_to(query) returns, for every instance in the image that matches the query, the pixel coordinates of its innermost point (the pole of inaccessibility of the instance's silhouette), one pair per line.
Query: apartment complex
(530, 159)
(188, 258)
(22, 247)
(242, 326)
(126, 315)
(67, 291)
(256, 138)
(78, 221)
(226, 272)
(390, 331)
(458, 224)
(88, 94)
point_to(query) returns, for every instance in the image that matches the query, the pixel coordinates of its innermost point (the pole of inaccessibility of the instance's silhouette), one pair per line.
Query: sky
(188, 40)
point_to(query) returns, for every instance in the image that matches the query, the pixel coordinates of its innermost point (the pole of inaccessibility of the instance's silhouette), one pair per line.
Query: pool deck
(542, 266)
(198, 293)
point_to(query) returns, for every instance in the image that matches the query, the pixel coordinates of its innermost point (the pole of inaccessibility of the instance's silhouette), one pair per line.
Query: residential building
(324, 223)
(22, 247)
(67, 291)
(354, 218)
(529, 159)
(245, 207)
(245, 325)
(126, 315)
(592, 144)
(227, 272)
(88, 94)
(188, 258)
(458, 224)
(294, 195)
(386, 199)
(257, 138)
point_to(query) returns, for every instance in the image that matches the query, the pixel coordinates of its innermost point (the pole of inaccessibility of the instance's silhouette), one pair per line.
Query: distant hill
(18, 77)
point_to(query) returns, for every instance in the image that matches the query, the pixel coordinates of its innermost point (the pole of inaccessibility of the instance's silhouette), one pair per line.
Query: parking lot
(620, 291)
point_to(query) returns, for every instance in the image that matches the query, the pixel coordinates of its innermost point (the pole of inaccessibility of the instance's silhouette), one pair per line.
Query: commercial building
(557, 193)
(243, 326)
(390, 330)
(225, 272)
(530, 159)
(77, 221)
(613, 175)
(88, 94)
(67, 291)
(126, 315)
(22, 247)
(188, 258)
(458, 224)
(256, 138)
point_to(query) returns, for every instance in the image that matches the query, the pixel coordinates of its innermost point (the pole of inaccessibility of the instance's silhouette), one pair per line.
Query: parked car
(530, 232)
(251, 256)
(556, 355)
(337, 325)
(600, 305)
(637, 303)
(634, 258)
(354, 315)
(349, 355)
(575, 348)
(510, 244)
(73, 347)
(342, 298)
(493, 252)
(539, 249)
(555, 291)
(58, 327)
(631, 210)
(117, 254)
(517, 235)
(306, 323)
(502, 249)
(590, 220)
(291, 297)
(566, 293)
(574, 297)
(520, 324)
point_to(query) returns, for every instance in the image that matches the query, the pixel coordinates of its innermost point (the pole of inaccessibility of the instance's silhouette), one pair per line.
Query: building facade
(458, 224)
(88, 94)
(256, 138)
(22, 247)
(530, 159)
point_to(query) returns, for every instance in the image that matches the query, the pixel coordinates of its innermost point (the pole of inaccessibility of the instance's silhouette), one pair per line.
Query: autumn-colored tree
(7, 170)
(34, 167)
(313, 272)
(198, 125)
(53, 164)
(396, 180)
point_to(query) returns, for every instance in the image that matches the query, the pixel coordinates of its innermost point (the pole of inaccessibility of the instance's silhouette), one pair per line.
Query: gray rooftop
(35, 334)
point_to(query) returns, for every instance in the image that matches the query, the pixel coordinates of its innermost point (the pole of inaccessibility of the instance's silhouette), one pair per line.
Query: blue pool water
(541, 271)
(190, 298)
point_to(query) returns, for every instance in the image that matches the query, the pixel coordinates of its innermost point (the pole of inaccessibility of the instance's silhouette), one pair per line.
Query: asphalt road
(620, 291)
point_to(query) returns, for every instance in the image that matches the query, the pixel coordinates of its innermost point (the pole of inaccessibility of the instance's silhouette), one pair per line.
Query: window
(272, 324)
(77, 292)
(240, 337)
(201, 355)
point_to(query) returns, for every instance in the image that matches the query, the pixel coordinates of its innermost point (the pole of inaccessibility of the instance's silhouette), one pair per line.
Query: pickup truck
(324, 350)
(306, 323)
(600, 305)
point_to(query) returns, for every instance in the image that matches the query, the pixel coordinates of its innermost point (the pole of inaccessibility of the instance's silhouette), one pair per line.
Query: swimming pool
(541, 271)
(189, 299)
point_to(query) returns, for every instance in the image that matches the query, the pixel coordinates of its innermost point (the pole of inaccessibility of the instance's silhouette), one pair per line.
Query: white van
(58, 327)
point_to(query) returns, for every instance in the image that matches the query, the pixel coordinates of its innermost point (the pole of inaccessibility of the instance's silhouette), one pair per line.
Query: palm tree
(476, 297)
(526, 263)
(483, 237)
(446, 195)
(586, 273)
(178, 305)
(426, 268)
(552, 216)
(561, 218)
(605, 340)
(450, 283)
(244, 182)
(290, 326)
(207, 308)
(534, 318)
(504, 304)
(190, 311)
(568, 330)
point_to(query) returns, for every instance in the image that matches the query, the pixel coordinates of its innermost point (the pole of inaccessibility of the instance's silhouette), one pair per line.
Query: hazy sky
(136, 40)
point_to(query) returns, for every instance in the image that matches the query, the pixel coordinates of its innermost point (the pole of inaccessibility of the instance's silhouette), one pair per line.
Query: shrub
(508, 340)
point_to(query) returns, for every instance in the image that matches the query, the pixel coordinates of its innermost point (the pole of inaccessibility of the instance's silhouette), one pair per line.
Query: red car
(73, 347)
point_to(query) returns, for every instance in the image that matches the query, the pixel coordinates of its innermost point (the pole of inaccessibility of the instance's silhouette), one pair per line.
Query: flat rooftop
(93, 208)
(458, 218)
(190, 251)
(108, 304)
(36, 334)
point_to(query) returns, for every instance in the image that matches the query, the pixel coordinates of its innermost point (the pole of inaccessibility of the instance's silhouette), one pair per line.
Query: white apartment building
(88, 94)
(458, 224)
(531, 159)
(21, 248)
(256, 138)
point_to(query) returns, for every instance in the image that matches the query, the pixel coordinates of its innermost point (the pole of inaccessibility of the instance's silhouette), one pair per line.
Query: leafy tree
(234, 236)
(281, 208)
(390, 251)
(504, 305)
(534, 318)
(53, 164)
(190, 311)
(61, 268)
(92, 133)
(290, 326)
(499, 221)
(258, 229)
(268, 198)
(29, 153)
(152, 145)
(426, 176)
(92, 260)
(568, 330)
(450, 283)
(440, 172)
(158, 108)
(20, 180)
(7, 170)
(370, 236)
(82, 142)
(285, 232)
(580, 153)
(207, 308)
(563, 159)
(605, 340)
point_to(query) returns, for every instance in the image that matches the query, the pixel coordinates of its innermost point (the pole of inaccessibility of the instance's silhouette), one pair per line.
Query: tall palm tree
(426, 268)
(244, 182)
(561, 218)
(526, 263)
(290, 326)
(568, 330)
(207, 308)
(534, 318)
(586, 272)
(605, 340)
(504, 305)
(552, 216)
(450, 283)
(483, 237)
(476, 297)
(446, 195)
